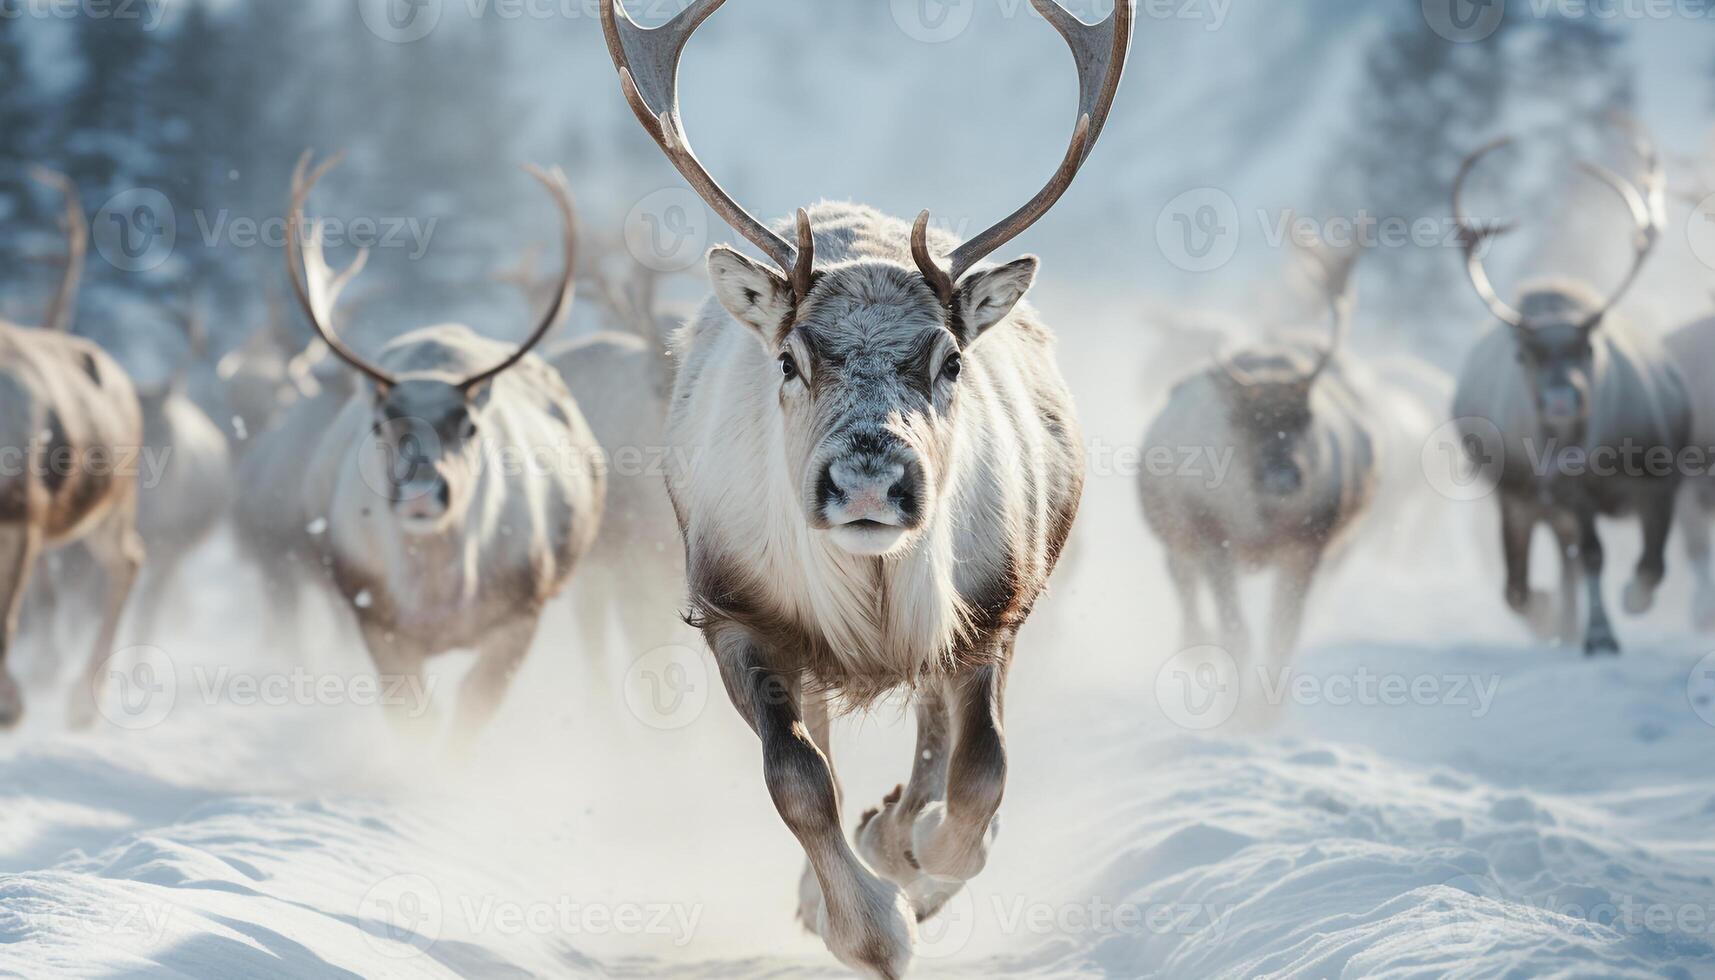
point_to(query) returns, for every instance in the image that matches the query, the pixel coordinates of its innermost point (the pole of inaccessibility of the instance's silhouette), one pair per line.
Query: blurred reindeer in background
(1290, 466)
(460, 484)
(1692, 347)
(74, 415)
(187, 499)
(1566, 409)
(622, 378)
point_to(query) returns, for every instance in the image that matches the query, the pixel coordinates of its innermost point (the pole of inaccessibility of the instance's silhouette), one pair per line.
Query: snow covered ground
(1429, 795)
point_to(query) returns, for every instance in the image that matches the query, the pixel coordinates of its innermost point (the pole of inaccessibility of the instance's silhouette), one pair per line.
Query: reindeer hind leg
(118, 551)
(19, 545)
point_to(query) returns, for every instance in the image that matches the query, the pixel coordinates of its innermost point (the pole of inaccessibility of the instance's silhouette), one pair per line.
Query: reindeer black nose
(867, 475)
(881, 486)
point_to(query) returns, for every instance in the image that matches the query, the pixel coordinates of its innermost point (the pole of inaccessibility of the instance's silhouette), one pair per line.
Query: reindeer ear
(984, 298)
(754, 294)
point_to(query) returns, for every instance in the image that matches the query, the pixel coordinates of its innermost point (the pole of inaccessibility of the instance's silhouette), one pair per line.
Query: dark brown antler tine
(303, 180)
(555, 181)
(648, 63)
(1099, 50)
(1472, 237)
(75, 226)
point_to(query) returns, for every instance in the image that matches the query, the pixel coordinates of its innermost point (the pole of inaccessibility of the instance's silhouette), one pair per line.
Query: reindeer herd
(876, 468)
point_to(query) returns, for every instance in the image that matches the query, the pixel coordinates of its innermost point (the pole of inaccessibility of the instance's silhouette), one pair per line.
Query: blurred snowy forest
(1318, 108)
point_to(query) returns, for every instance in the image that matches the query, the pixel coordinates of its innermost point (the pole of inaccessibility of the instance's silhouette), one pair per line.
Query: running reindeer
(1694, 344)
(444, 529)
(72, 416)
(623, 378)
(177, 513)
(1292, 468)
(1568, 411)
(882, 464)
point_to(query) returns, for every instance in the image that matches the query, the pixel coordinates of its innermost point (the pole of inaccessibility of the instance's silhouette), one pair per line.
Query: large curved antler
(648, 63)
(1647, 207)
(1472, 238)
(1100, 53)
(317, 298)
(76, 229)
(555, 181)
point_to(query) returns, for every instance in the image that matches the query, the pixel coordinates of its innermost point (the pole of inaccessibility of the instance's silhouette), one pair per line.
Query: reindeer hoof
(883, 839)
(942, 856)
(1601, 643)
(875, 935)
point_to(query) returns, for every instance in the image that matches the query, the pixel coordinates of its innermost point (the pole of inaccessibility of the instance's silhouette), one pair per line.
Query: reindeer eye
(788, 367)
(953, 368)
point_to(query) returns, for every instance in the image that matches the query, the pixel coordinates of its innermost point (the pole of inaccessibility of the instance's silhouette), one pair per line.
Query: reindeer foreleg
(1656, 512)
(952, 839)
(1519, 517)
(865, 921)
(1569, 538)
(1185, 573)
(1598, 631)
(884, 833)
(1694, 518)
(399, 669)
(1291, 592)
(483, 689)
